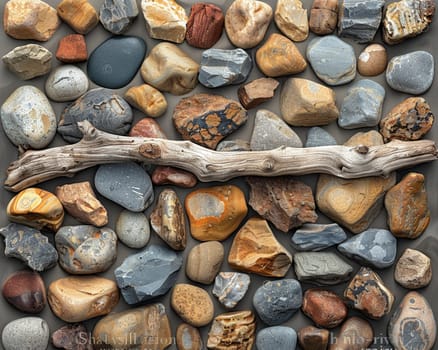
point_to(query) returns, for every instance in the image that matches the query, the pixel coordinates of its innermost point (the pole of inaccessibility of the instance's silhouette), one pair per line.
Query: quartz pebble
(221, 67)
(146, 99)
(413, 269)
(80, 298)
(362, 106)
(323, 16)
(72, 49)
(148, 274)
(193, 304)
(115, 62)
(188, 337)
(277, 337)
(204, 262)
(30, 20)
(355, 334)
(406, 205)
(29, 246)
(291, 19)
(230, 287)
(233, 146)
(372, 60)
(315, 237)
(324, 307)
(170, 69)
(215, 212)
(117, 16)
(126, 184)
(28, 61)
(246, 22)
(277, 301)
(306, 103)
(166, 175)
(284, 201)
(206, 119)
(133, 229)
(257, 91)
(131, 328)
(205, 25)
(66, 83)
(411, 73)
(80, 15)
(72, 337)
(317, 137)
(25, 290)
(279, 56)
(256, 250)
(26, 333)
(147, 127)
(321, 268)
(85, 249)
(271, 132)
(333, 60)
(312, 338)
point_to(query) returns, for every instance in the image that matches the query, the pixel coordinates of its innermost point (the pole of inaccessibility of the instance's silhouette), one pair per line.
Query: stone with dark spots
(324, 307)
(115, 62)
(276, 337)
(315, 237)
(117, 16)
(72, 337)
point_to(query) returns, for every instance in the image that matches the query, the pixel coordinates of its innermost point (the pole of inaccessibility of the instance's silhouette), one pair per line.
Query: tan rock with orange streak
(78, 14)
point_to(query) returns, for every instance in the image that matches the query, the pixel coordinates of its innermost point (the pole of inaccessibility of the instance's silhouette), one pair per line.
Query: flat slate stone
(276, 337)
(411, 73)
(317, 137)
(148, 274)
(316, 237)
(126, 184)
(117, 16)
(375, 247)
(224, 67)
(115, 62)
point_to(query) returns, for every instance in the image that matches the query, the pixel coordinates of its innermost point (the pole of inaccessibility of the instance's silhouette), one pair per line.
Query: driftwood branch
(98, 147)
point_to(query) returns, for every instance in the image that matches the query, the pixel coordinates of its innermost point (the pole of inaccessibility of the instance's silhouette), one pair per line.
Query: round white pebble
(26, 333)
(66, 83)
(133, 229)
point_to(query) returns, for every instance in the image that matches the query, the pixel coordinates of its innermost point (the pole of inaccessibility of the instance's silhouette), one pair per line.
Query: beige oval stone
(413, 270)
(188, 337)
(355, 334)
(78, 14)
(170, 69)
(79, 298)
(204, 262)
(246, 22)
(147, 99)
(372, 60)
(192, 304)
(291, 19)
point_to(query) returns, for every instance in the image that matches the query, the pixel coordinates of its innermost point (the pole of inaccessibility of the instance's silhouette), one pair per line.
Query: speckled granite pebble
(66, 83)
(26, 333)
(133, 229)
(277, 337)
(230, 287)
(316, 237)
(317, 137)
(117, 16)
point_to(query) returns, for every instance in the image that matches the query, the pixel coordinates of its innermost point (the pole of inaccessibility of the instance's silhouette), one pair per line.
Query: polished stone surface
(315, 237)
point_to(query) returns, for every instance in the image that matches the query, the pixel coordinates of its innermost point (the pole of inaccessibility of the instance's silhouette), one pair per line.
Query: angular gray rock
(230, 287)
(362, 106)
(276, 337)
(148, 274)
(117, 16)
(224, 67)
(375, 247)
(315, 237)
(30, 246)
(317, 137)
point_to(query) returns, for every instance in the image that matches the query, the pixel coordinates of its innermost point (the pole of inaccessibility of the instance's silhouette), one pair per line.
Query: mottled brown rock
(367, 293)
(282, 200)
(143, 328)
(72, 49)
(166, 175)
(413, 270)
(279, 56)
(192, 304)
(30, 19)
(37, 208)
(204, 262)
(255, 249)
(355, 334)
(188, 337)
(147, 99)
(324, 307)
(205, 25)
(413, 325)
(72, 337)
(232, 330)
(206, 119)
(323, 16)
(168, 220)
(79, 200)
(409, 120)
(406, 205)
(78, 14)
(372, 60)
(25, 290)
(257, 91)
(147, 127)
(312, 338)
(291, 19)
(79, 298)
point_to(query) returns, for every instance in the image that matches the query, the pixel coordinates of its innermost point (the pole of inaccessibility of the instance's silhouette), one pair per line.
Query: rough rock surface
(257, 91)
(117, 16)
(230, 287)
(323, 16)
(67, 337)
(324, 307)
(72, 49)
(413, 269)
(26, 333)
(291, 19)
(78, 14)
(280, 337)
(146, 99)
(205, 25)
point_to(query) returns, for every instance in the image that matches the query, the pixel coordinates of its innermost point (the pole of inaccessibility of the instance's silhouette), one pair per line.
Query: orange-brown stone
(78, 14)
(312, 338)
(355, 334)
(324, 307)
(72, 49)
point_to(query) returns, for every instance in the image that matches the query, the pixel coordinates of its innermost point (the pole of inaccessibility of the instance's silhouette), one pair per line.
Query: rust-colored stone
(323, 16)
(166, 175)
(72, 49)
(312, 338)
(205, 25)
(78, 14)
(324, 307)
(257, 91)
(147, 127)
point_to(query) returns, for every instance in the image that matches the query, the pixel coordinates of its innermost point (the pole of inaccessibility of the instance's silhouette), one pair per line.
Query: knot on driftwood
(150, 150)
(362, 149)
(87, 129)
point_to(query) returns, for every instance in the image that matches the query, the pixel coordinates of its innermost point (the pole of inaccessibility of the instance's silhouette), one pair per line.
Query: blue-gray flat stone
(30, 246)
(411, 73)
(360, 19)
(375, 247)
(276, 338)
(103, 108)
(362, 106)
(316, 237)
(230, 287)
(333, 60)
(277, 301)
(115, 62)
(117, 16)
(126, 184)
(224, 67)
(317, 137)
(148, 274)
